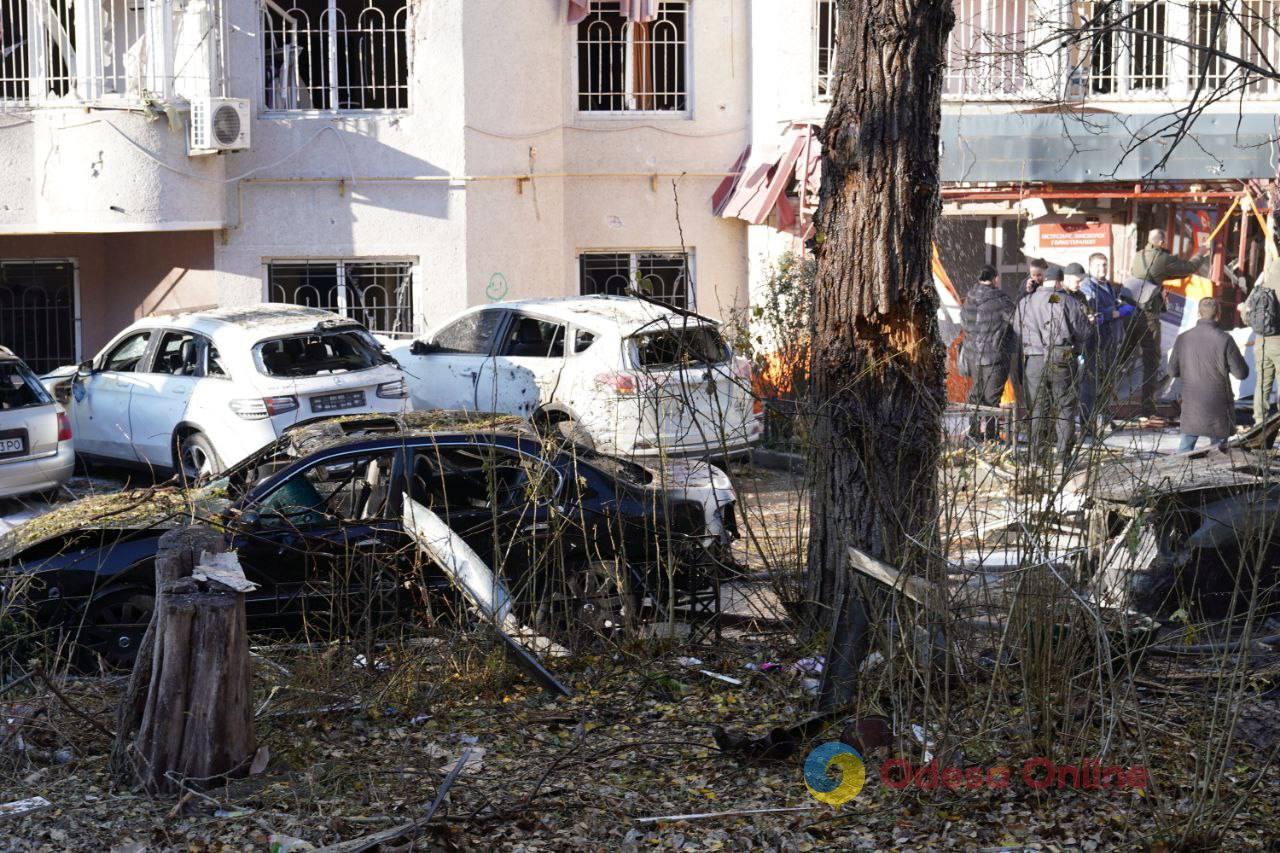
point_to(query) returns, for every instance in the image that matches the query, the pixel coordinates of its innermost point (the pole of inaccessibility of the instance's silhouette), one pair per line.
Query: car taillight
(757, 406)
(393, 390)
(619, 383)
(64, 427)
(253, 409)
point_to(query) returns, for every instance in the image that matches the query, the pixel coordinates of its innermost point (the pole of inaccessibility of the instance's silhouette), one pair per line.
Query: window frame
(690, 292)
(514, 318)
(515, 450)
(625, 114)
(144, 361)
(255, 500)
(819, 96)
(331, 40)
(342, 295)
(499, 329)
(202, 343)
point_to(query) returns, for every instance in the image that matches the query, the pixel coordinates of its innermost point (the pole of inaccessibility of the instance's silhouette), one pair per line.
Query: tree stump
(198, 723)
(190, 686)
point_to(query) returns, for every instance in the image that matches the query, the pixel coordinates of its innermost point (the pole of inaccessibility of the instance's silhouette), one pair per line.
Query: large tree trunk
(878, 377)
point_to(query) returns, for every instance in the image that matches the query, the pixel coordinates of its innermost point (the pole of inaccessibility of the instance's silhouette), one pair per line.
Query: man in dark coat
(988, 346)
(1052, 330)
(1145, 290)
(1205, 358)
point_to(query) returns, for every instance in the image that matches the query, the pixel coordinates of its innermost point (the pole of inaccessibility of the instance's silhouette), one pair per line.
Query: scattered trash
(718, 677)
(686, 661)
(917, 731)
(260, 760)
(361, 662)
(223, 568)
(287, 844)
(227, 814)
(468, 764)
(780, 743)
(810, 666)
(419, 719)
(20, 808)
(810, 686)
(871, 661)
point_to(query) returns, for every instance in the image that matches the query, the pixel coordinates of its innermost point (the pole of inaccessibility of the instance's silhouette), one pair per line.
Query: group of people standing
(1071, 336)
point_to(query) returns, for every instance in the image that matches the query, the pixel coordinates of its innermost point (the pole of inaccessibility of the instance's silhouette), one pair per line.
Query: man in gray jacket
(1205, 358)
(1052, 330)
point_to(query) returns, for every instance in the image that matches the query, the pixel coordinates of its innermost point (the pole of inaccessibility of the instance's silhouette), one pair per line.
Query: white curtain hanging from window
(636, 10)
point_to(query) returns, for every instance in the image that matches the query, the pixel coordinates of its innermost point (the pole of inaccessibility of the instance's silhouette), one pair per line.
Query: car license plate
(337, 402)
(13, 445)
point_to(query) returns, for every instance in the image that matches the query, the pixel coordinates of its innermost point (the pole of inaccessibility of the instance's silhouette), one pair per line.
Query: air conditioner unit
(218, 124)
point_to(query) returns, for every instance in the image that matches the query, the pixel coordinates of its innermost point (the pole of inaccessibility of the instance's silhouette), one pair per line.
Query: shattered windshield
(317, 353)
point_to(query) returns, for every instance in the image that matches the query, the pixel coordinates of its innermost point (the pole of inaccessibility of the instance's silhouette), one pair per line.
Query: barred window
(661, 275)
(378, 294)
(629, 66)
(825, 19)
(335, 54)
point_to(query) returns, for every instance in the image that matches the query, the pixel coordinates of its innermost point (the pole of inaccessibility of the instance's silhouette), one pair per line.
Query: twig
(72, 708)
(733, 813)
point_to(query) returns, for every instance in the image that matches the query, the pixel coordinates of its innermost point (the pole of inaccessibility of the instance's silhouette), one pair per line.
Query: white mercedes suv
(197, 392)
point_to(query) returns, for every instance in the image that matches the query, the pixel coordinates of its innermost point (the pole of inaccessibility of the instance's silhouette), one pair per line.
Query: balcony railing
(108, 51)
(1098, 50)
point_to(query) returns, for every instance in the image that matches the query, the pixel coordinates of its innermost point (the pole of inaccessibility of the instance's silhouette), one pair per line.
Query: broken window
(475, 477)
(661, 275)
(127, 355)
(177, 354)
(680, 346)
(19, 387)
(470, 334)
(330, 492)
(632, 66)
(376, 294)
(335, 54)
(534, 338)
(825, 18)
(318, 353)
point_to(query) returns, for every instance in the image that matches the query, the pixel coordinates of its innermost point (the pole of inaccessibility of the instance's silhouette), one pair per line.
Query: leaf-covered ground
(358, 749)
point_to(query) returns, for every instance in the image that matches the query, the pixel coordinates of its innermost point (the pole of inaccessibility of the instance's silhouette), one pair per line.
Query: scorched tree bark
(878, 382)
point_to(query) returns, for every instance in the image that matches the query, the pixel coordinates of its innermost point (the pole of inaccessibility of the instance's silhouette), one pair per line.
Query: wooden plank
(919, 590)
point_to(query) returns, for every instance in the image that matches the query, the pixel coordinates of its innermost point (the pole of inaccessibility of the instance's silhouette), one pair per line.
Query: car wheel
(114, 625)
(197, 460)
(571, 430)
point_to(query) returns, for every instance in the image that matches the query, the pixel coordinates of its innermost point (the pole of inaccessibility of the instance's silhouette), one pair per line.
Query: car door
(525, 372)
(100, 398)
(443, 371)
(162, 394)
(324, 543)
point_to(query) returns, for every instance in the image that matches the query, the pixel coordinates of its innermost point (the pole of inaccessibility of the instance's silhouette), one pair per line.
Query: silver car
(36, 453)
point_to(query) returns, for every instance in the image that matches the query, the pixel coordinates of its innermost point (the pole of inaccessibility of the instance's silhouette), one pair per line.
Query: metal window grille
(335, 54)
(111, 50)
(826, 17)
(1148, 50)
(662, 275)
(38, 312)
(628, 66)
(1210, 22)
(1260, 42)
(378, 294)
(987, 46)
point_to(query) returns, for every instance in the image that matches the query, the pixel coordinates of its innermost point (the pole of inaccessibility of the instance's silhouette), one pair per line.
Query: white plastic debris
(225, 569)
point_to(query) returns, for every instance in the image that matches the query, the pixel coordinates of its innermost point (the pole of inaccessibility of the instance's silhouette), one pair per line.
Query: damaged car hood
(1132, 481)
(133, 509)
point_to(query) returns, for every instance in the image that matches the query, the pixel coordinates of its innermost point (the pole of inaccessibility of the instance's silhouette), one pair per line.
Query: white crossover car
(620, 374)
(36, 454)
(197, 392)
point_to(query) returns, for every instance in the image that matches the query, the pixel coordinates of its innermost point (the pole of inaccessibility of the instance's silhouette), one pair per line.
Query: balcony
(1100, 51)
(108, 53)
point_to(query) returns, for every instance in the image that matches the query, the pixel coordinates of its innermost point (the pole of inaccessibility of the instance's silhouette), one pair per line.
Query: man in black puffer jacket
(988, 345)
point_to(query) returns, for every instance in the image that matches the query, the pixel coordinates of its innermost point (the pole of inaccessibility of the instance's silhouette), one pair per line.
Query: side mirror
(85, 367)
(422, 348)
(249, 520)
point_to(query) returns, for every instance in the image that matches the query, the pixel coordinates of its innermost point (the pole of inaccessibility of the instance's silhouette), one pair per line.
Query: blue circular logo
(834, 773)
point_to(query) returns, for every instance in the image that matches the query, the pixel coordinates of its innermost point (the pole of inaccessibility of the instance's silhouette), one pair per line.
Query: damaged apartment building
(1059, 124)
(392, 160)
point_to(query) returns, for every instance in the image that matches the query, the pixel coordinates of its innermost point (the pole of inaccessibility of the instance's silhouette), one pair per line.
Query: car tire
(572, 431)
(113, 627)
(197, 460)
